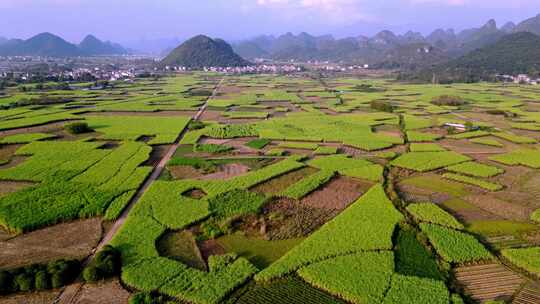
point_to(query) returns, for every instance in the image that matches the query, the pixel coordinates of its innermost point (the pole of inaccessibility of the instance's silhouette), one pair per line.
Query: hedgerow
(432, 213)
(473, 181)
(455, 246)
(475, 169)
(525, 157)
(415, 290)
(413, 259)
(367, 224)
(358, 278)
(25, 138)
(308, 184)
(525, 258)
(427, 161)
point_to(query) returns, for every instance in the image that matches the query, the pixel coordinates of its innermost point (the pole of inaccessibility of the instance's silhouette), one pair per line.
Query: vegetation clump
(78, 128)
(55, 274)
(448, 100)
(106, 264)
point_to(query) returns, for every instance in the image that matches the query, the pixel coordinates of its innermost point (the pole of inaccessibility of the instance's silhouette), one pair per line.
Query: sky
(127, 21)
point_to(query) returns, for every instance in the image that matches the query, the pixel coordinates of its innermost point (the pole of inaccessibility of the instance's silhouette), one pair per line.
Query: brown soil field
(183, 172)
(286, 218)
(280, 183)
(105, 292)
(7, 151)
(74, 240)
(499, 207)
(337, 194)
(209, 248)
(7, 187)
(488, 282)
(465, 146)
(38, 297)
(46, 128)
(226, 171)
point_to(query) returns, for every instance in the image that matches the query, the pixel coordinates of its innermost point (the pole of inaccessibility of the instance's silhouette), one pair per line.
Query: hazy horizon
(133, 21)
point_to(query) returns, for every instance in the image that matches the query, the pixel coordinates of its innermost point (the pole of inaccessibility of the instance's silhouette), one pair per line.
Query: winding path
(69, 294)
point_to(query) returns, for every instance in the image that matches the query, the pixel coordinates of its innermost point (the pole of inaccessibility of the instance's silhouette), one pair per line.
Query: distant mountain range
(385, 49)
(49, 45)
(202, 51)
(515, 53)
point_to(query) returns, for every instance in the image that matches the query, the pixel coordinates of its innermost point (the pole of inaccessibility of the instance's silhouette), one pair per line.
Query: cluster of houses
(519, 79)
(253, 69)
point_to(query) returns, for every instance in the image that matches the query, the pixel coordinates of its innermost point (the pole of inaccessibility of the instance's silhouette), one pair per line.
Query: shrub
(77, 128)
(106, 264)
(381, 105)
(43, 280)
(91, 274)
(447, 100)
(24, 281)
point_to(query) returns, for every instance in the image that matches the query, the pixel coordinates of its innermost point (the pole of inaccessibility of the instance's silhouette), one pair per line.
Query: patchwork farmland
(207, 188)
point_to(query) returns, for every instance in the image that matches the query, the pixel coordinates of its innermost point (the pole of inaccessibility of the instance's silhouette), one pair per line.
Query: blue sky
(130, 20)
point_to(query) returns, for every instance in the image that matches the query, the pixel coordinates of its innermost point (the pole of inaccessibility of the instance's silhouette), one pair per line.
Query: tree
(77, 128)
(91, 274)
(25, 281)
(43, 280)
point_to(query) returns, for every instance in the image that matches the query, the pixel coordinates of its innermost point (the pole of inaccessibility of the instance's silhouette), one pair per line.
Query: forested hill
(202, 51)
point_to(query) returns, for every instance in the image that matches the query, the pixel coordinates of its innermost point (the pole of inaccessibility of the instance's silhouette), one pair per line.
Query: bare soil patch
(74, 240)
(194, 193)
(337, 194)
(7, 187)
(106, 292)
(226, 171)
(38, 297)
(286, 218)
(209, 248)
(183, 172)
(499, 207)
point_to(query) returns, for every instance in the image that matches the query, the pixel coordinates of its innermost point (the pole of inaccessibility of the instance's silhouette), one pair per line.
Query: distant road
(69, 294)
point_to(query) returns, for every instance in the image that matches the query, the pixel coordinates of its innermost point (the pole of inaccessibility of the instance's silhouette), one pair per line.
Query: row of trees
(39, 276)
